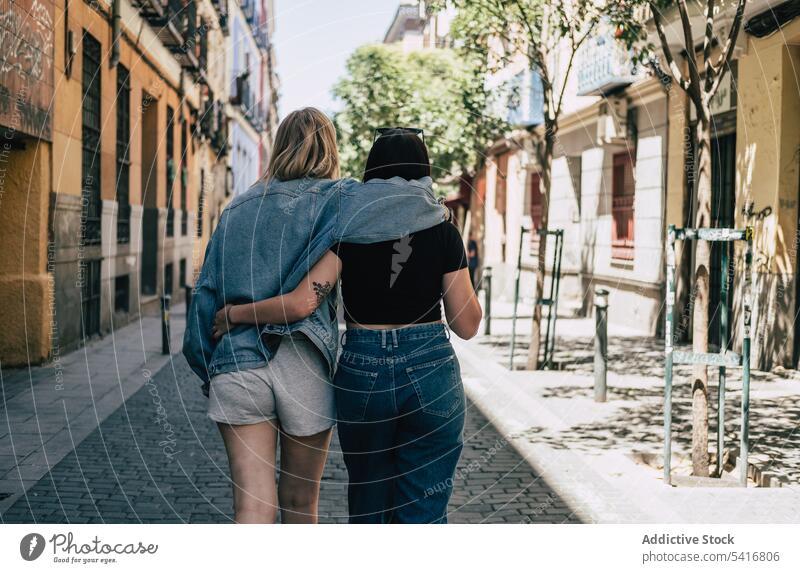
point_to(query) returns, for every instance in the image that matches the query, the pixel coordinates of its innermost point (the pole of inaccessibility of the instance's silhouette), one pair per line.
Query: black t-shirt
(399, 282)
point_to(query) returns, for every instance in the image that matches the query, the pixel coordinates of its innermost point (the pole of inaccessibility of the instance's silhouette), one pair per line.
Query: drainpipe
(115, 33)
(667, 87)
(69, 49)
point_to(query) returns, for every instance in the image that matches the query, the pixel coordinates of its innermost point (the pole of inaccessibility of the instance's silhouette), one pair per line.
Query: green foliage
(630, 18)
(541, 31)
(431, 89)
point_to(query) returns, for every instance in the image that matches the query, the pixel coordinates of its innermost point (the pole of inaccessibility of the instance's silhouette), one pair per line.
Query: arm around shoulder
(285, 309)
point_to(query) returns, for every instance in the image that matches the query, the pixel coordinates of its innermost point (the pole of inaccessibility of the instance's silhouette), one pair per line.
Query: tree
(700, 85)
(431, 89)
(538, 31)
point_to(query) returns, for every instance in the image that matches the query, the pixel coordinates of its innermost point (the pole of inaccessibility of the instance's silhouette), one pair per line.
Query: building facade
(755, 179)
(116, 162)
(253, 87)
(612, 128)
(623, 170)
(416, 26)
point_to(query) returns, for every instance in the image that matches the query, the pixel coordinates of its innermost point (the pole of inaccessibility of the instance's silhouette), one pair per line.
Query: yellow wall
(767, 177)
(768, 140)
(25, 287)
(767, 146)
(145, 75)
(677, 141)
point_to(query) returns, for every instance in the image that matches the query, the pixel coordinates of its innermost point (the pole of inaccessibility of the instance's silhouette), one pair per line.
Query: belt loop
(383, 339)
(394, 339)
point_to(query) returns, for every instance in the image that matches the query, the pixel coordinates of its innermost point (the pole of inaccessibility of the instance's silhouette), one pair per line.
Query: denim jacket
(269, 238)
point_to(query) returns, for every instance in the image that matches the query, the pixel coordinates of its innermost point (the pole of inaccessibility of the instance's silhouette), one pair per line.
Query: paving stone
(119, 473)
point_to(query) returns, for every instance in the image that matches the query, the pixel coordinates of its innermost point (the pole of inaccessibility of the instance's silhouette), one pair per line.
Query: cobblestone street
(152, 465)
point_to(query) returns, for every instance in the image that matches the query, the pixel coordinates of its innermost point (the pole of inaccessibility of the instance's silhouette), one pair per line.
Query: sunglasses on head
(382, 131)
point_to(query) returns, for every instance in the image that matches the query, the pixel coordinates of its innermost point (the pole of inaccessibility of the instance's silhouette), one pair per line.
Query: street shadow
(627, 355)
(638, 425)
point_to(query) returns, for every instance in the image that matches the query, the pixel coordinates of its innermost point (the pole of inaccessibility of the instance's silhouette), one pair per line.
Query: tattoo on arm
(322, 290)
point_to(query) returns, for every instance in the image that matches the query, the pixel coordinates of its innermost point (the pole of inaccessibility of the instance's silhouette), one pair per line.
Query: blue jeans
(400, 408)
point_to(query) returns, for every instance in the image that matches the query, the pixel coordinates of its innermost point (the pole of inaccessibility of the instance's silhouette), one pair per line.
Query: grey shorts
(294, 388)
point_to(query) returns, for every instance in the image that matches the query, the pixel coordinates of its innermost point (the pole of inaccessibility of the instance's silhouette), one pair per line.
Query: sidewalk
(588, 451)
(48, 410)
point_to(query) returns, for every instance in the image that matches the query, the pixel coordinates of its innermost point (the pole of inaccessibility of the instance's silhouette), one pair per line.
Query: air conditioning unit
(612, 121)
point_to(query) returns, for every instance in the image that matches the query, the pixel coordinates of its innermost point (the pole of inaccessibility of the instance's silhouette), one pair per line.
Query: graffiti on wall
(26, 66)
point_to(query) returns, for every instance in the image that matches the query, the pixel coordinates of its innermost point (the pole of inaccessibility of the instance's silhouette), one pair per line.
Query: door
(90, 298)
(623, 194)
(149, 135)
(537, 210)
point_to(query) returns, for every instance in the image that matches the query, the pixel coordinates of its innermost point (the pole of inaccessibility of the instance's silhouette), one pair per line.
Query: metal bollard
(600, 343)
(188, 301)
(165, 324)
(486, 279)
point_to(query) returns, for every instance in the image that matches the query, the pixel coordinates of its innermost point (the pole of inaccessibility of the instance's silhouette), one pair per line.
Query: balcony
(249, 10)
(208, 115)
(261, 36)
(523, 99)
(603, 66)
(221, 6)
(175, 24)
(219, 137)
(149, 9)
(241, 88)
(167, 23)
(188, 52)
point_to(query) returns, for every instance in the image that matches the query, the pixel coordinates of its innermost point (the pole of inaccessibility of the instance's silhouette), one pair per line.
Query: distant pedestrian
(472, 260)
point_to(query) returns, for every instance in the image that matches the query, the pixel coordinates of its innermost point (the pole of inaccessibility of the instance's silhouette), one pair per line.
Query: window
(501, 178)
(123, 155)
(536, 201)
(90, 138)
(536, 211)
(622, 195)
(500, 183)
(182, 273)
(168, 278)
(184, 177)
(122, 293)
(201, 203)
(90, 297)
(170, 170)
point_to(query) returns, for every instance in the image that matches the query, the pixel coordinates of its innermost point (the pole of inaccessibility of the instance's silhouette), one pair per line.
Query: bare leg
(302, 463)
(251, 455)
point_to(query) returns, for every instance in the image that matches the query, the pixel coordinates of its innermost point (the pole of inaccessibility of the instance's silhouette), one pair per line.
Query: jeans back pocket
(438, 385)
(353, 388)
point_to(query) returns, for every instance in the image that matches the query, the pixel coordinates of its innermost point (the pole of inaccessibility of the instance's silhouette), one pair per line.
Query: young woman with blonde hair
(272, 383)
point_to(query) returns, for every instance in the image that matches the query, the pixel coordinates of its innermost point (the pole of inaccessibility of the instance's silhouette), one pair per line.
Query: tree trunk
(546, 163)
(700, 315)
